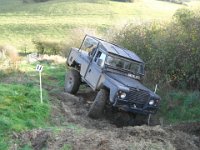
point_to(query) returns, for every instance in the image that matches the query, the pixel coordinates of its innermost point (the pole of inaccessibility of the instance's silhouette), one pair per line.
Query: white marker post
(156, 88)
(39, 69)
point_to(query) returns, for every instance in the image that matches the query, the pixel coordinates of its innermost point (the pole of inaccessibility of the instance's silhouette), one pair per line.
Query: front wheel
(72, 81)
(96, 110)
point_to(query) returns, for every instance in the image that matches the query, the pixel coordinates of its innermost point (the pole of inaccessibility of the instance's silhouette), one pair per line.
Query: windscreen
(120, 63)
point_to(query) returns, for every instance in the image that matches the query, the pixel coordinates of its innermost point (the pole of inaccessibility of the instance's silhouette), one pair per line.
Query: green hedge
(46, 46)
(171, 50)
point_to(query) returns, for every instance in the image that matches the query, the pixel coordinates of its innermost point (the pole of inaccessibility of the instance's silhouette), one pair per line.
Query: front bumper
(135, 107)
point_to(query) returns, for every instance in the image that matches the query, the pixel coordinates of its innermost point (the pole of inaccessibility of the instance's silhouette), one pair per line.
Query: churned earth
(73, 129)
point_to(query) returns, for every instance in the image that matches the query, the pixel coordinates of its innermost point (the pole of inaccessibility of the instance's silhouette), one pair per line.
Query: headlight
(121, 94)
(151, 102)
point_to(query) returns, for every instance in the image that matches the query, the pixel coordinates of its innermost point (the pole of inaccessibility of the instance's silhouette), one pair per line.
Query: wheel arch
(111, 90)
(75, 65)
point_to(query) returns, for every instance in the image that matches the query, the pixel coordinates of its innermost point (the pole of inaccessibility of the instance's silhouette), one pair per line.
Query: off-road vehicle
(114, 72)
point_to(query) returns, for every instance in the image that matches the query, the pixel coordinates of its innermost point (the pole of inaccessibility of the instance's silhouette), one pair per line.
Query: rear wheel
(72, 81)
(96, 110)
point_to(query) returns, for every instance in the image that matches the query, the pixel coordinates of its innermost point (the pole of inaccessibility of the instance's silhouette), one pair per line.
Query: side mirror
(100, 62)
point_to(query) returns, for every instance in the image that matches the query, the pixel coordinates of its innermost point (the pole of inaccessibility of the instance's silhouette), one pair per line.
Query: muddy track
(77, 131)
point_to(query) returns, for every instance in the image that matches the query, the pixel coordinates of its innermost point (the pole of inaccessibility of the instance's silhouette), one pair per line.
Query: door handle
(89, 70)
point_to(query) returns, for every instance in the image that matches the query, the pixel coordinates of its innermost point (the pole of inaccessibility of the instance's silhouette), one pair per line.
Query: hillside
(61, 122)
(56, 19)
(26, 124)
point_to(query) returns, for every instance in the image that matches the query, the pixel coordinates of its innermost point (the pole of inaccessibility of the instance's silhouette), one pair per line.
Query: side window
(97, 56)
(89, 45)
(101, 57)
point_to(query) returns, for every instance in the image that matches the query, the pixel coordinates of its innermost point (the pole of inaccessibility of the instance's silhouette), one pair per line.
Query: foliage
(9, 57)
(170, 50)
(179, 106)
(46, 46)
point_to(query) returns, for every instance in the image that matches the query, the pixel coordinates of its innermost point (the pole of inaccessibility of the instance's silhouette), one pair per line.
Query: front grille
(137, 96)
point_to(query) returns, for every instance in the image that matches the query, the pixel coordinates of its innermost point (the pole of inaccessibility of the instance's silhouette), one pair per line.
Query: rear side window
(89, 44)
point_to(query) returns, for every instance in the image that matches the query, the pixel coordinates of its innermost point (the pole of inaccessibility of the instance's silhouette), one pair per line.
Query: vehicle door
(94, 71)
(88, 50)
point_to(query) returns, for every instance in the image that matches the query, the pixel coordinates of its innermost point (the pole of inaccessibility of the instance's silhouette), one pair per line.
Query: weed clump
(9, 57)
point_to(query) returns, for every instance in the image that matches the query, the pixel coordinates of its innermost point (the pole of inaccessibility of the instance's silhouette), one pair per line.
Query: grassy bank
(20, 109)
(20, 106)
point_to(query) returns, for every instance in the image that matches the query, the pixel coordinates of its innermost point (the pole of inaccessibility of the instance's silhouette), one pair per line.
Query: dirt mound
(75, 110)
(74, 130)
(138, 137)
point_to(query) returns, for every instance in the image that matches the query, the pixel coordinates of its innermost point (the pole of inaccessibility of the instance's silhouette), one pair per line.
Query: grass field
(57, 19)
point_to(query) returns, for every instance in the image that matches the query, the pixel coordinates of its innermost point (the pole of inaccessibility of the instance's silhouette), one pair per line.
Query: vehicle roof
(117, 50)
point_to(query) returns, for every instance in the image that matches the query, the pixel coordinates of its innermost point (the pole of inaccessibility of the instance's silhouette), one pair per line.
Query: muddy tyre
(72, 81)
(97, 108)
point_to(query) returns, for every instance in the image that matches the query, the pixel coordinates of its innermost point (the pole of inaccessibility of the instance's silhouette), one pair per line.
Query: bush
(171, 51)
(46, 46)
(53, 47)
(9, 57)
